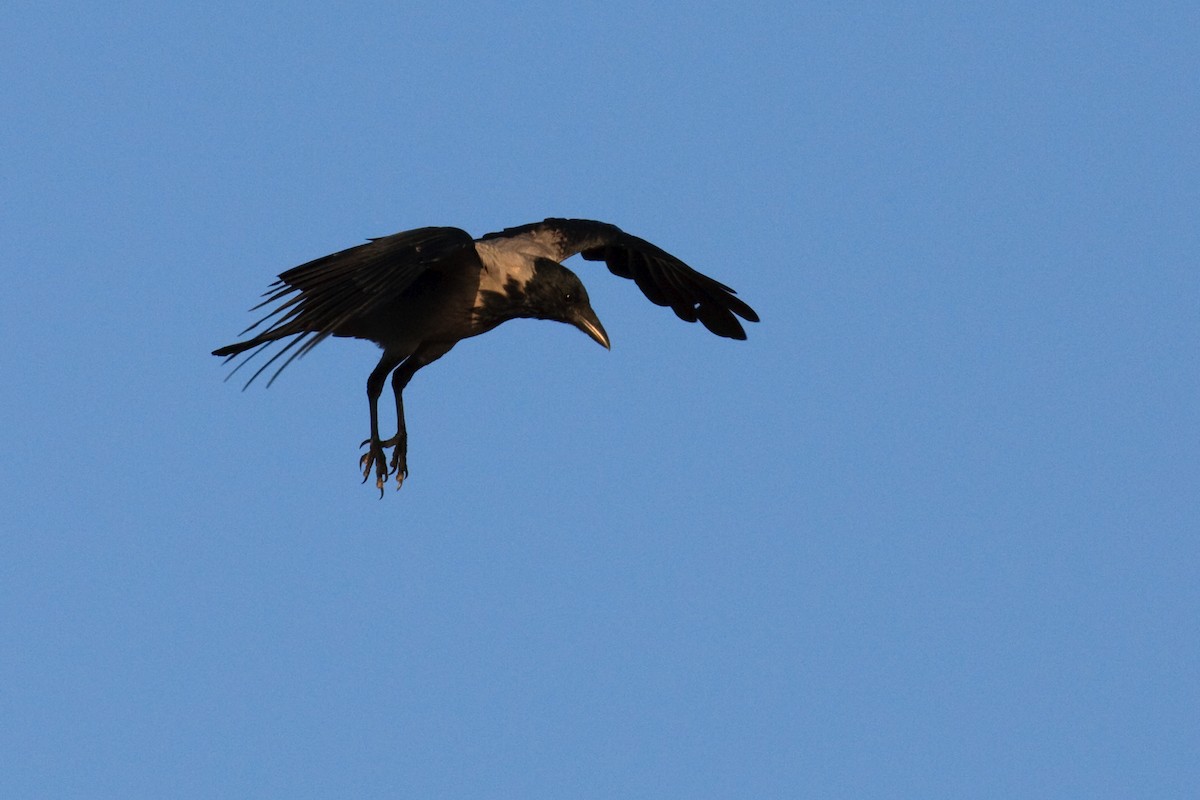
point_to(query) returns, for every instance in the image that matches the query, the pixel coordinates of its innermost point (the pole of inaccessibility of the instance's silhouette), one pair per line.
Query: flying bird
(418, 293)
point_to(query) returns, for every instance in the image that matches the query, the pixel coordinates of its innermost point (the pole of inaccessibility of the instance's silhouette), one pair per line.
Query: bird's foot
(375, 460)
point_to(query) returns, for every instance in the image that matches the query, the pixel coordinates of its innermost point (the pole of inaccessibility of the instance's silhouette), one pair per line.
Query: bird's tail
(304, 341)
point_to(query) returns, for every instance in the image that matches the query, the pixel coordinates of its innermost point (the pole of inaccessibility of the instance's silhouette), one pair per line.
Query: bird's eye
(569, 297)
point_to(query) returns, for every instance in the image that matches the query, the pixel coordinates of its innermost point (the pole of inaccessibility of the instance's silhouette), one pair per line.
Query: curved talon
(399, 466)
(374, 459)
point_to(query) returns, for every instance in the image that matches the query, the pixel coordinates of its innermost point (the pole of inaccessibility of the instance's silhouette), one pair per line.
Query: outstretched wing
(663, 278)
(328, 296)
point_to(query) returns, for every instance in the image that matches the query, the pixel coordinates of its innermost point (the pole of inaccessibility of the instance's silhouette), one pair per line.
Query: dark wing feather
(663, 278)
(328, 296)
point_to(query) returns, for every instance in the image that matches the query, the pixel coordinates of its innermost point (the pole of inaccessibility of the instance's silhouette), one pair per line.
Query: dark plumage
(418, 293)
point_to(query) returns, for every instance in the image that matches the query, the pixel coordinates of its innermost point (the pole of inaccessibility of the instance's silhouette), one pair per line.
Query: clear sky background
(931, 532)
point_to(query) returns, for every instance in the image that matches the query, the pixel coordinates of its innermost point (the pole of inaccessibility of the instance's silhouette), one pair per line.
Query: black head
(554, 292)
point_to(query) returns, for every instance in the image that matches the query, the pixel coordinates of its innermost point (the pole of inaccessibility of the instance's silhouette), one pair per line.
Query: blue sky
(930, 532)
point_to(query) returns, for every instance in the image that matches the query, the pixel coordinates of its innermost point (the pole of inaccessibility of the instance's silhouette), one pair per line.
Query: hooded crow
(418, 293)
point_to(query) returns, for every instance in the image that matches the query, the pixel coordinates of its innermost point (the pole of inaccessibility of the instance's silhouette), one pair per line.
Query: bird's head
(554, 292)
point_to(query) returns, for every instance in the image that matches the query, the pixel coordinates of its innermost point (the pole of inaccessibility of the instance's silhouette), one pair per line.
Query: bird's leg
(400, 379)
(374, 459)
(399, 442)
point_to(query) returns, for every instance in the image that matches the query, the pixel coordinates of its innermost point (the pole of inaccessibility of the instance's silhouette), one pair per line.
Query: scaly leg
(374, 459)
(399, 442)
(400, 378)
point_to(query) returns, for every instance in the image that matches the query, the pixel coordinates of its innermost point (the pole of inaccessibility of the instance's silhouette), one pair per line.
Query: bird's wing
(662, 277)
(326, 296)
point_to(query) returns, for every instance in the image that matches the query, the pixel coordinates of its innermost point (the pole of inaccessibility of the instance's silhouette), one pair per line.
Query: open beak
(587, 321)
